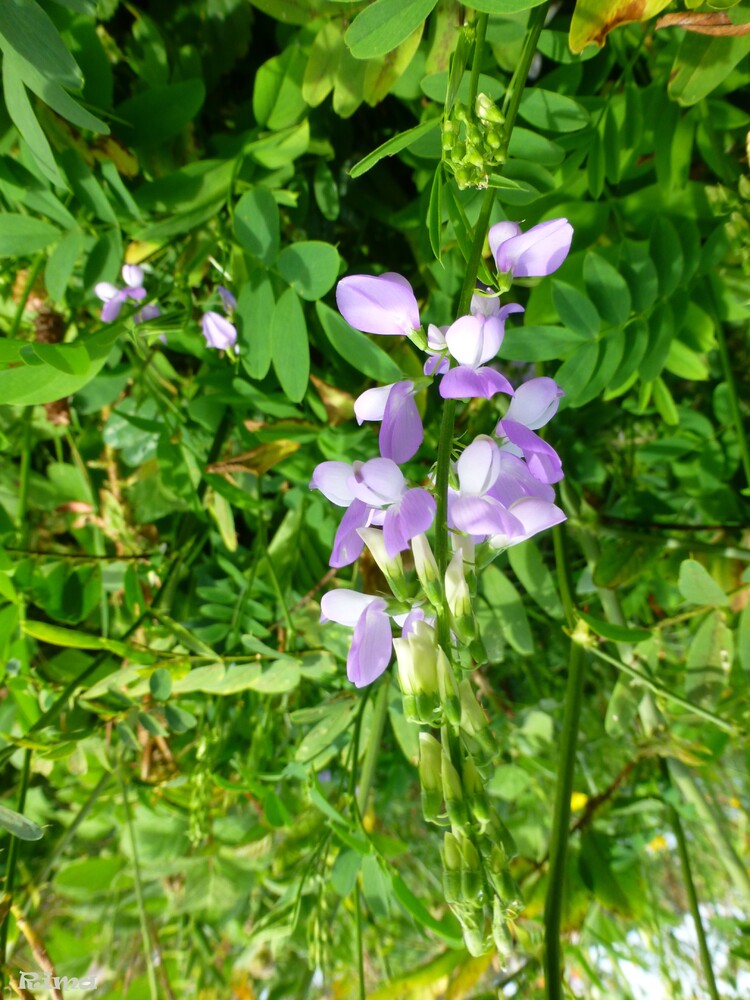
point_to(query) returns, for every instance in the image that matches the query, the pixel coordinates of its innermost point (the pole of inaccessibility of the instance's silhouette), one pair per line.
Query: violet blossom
(383, 304)
(218, 331)
(533, 254)
(401, 432)
(472, 341)
(114, 297)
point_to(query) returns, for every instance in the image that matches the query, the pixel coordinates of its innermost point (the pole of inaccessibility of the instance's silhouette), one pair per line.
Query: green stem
(481, 33)
(27, 290)
(358, 936)
(367, 774)
(734, 400)
(561, 824)
(682, 850)
(516, 86)
(12, 859)
(153, 989)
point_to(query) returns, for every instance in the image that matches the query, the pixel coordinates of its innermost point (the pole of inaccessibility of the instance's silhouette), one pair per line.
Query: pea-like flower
(217, 329)
(371, 648)
(382, 304)
(401, 432)
(472, 341)
(114, 297)
(533, 254)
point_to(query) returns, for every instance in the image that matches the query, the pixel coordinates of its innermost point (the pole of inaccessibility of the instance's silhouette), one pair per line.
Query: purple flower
(535, 403)
(372, 644)
(384, 304)
(473, 340)
(515, 481)
(227, 299)
(533, 254)
(401, 431)
(219, 332)
(437, 363)
(542, 459)
(375, 493)
(147, 313)
(113, 297)
(471, 508)
(534, 515)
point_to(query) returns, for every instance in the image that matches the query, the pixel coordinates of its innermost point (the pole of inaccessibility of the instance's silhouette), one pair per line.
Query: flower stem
(682, 850)
(481, 32)
(12, 859)
(733, 398)
(515, 89)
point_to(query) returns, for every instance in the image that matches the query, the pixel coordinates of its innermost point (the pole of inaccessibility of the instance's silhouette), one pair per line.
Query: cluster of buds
(500, 492)
(473, 142)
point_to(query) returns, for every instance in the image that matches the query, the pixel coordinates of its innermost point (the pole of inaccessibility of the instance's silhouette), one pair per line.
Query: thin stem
(12, 859)
(358, 935)
(516, 86)
(481, 32)
(153, 989)
(367, 774)
(734, 400)
(27, 290)
(682, 850)
(561, 824)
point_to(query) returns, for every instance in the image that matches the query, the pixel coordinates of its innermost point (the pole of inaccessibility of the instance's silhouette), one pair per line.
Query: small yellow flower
(657, 845)
(578, 801)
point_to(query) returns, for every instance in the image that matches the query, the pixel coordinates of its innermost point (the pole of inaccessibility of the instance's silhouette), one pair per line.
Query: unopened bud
(427, 569)
(391, 568)
(448, 688)
(473, 719)
(474, 791)
(416, 655)
(459, 599)
(430, 776)
(487, 111)
(500, 933)
(472, 882)
(453, 793)
(452, 864)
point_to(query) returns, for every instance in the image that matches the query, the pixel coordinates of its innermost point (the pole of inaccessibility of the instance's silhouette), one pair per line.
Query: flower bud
(474, 791)
(392, 569)
(459, 599)
(430, 776)
(453, 793)
(472, 881)
(473, 719)
(427, 570)
(448, 688)
(452, 864)
(416, 655)
(487, 111)
(500, 933)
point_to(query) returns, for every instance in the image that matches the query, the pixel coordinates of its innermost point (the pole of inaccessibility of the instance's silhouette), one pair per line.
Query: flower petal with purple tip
(111, 309)
(401, 432)
(500, 233)
(542, 459)
(377, 482)
(345, 607)
(482, 516)
(472, 340)
(515, 481)
(218, 331)
(535, 402)
(534, 515)
(132, 275)
(383, 304)
(348, 545)
(478, 466)
(412, 515)
(332, 479)
(105, 291)
(227, 299)
(473, 383)
(372, 645)
(537, 252)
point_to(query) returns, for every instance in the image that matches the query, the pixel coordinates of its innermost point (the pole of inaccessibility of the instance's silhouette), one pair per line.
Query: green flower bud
(452, 863)
(392, 569)
(487, 111)
(473, 719)
(448, 688)
(416, 655)
(472, 881)
(474, 791)
(453, 793)
(459, 599)
(430, 776)
(500, 933)
(427, 570)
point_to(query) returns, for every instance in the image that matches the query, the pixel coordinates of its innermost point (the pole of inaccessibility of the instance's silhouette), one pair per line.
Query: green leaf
(20, 826)
(743, 639)
(311, 268)
(61, 264)
(617, 633)
(158, 115)
(277, 94)
(256, 224)
(29, 32)
(178, 720)
(323, 64)
(541, 343)
(435, 212)
(290, 348)
(356, 348)
(73, 359)
(255, 307)
(606, 288)
(21, 235)
(394, 145)
(709, 658)
(86, 187)
(686, 363)
(502, 6)
(576, 311)
(575, 374)
(383, 25)
(527, 563)
(53, 94)
(506, 602)
(666, 253)
(375, 883)
(326, 192)
(23, 117)
(160, 684)
(622, 707)
(447, 928)
(698, 586)
(702, 63)
(339, 716)
(552, 111)
(344, 872)
(279, 678)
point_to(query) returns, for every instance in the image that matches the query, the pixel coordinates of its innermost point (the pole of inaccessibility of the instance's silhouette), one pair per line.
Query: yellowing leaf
(594, 19)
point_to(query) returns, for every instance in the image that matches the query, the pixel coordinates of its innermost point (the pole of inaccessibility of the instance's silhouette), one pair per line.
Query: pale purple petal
(478, 466)
(542, 459)
(147, 313)
(377, 482)
(401, 432)
(472, 340)
(407, 621)
(372, 646)
(436, 365)
(535, 402)
(332, 479)
(514, 482)
(218, 331)
(535, 515)
(509, 309)
(348, 545)
(370, 405)
(482, 516)
(384, 304)
(536, 253)
(111, 309)
(227, 299)
(436, 337)
(501, 232)
(412, 515)
(106, 291)
(346, 606)
(133, 293)
(470, 383)
(132, 275)
(484, 305)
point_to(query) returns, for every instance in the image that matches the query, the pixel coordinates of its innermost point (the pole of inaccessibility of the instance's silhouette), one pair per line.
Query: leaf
(527, 563)
(279, 678)
(540, 343)
(158, 115)
(61, 264)
(20, 826)
(73, 359)
(575, 310)
(322, 65)
(277, 95)
(698, 586)
(594, 19)
(448, 928)
(23, 117)
(706, 23)
(160, 684)
(338, 718)
(617, 633)
(502, 6)
(506, 602)
(709, 658)
(29, 32)
(356, 348)
(435, 212)
(256, 224)
(606, 288)
(702, 64)
(344, 872)
(311, 268)
(384, 24)
(21, 235)
(178, 720)
(255, 307)
(375, 883)
(552, 111)
(52, 93)
(394, 145)
(290, 348)
(743, 639)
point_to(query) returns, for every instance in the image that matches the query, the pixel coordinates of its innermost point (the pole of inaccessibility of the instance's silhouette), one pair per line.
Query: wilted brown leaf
(258, 460)
(594, 19)
(703, 24)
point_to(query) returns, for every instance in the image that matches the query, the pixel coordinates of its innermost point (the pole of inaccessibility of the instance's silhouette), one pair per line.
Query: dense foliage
(196, 800)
